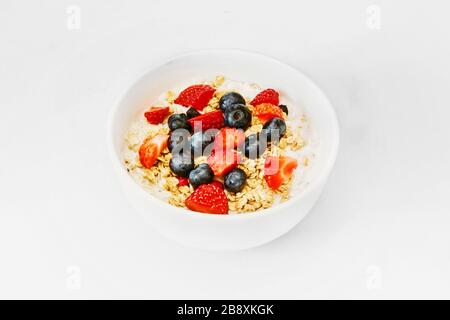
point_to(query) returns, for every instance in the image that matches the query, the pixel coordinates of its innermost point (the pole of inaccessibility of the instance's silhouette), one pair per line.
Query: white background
(381, 228)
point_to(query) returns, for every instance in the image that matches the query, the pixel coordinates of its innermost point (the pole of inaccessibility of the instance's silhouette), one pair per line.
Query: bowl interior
(236, 65)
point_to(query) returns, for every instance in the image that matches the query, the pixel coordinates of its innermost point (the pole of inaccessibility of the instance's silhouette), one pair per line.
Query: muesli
(221, 147)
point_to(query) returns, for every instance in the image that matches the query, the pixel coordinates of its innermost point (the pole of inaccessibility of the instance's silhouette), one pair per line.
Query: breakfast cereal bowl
(257, 213)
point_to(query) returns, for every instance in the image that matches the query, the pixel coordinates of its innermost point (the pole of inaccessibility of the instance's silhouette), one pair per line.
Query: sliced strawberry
(266, 96)
(228, 139)
(223, 162)
(156, 115)
(196, 96)
(210, 120)
(151, 149)
(218, 183)
(182, 181)
(278, 170)
(267, 111)
(208, 198)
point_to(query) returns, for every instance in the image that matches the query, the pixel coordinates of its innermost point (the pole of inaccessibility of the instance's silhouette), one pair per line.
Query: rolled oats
(256, 194)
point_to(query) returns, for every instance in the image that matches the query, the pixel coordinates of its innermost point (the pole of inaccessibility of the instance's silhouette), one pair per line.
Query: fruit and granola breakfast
(220, 147)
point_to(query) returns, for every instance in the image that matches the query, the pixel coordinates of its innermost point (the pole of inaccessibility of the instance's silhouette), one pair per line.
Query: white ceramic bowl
(225, 232)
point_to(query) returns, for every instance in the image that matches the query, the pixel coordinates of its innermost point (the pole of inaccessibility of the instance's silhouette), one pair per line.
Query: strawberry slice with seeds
(266, 96)
(156, 115)
(228, 139)
(222, 162)
(210, 120)
(151, 149)
(208, 198)
(278, 170)
(267, 111)
(196, 96)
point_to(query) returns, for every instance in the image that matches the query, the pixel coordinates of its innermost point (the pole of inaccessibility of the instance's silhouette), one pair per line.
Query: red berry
(208, 198)
(222, 162)
(278, 170)
(266, 96)
(267, 111)
(228, 139)
(218, 183)
(182, 181)
(210, 120)
(196, 96)
(151, 149)
(157, 115)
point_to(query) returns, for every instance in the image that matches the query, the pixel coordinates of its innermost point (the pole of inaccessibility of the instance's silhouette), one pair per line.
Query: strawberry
(196, 96)
(222, 162)
(151, 149)
(182, 181)
(228, 139)
(156, 115)
(218, 183)
(267, 111)
(210, 120)
(278, 170)
(208, 198)
(266, 96)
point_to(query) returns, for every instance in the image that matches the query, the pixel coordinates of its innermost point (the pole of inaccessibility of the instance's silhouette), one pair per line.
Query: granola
(258, 191)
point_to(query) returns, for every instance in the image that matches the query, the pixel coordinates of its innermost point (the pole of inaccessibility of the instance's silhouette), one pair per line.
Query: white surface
(380, 229)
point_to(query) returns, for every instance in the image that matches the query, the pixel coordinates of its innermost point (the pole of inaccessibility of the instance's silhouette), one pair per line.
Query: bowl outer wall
(215, 232)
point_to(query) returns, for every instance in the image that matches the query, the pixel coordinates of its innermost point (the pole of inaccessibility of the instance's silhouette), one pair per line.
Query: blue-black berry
(235, 180)
(274, 129)
(238, 116)
(284, 108)
(192, 113)
(229, 99)
(254, 146)
(202, 174)
(178, 121)
(181, 164)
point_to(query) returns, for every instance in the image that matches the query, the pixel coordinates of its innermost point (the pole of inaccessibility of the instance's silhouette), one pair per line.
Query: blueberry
(192, 113)
(178, 121)
(238, 116)
(229, 99)
(179, 141)
(181, 164)
(200, 141)
(284, 108)
(274, 129)
(254, 146)
(235, 180)
(202, 174)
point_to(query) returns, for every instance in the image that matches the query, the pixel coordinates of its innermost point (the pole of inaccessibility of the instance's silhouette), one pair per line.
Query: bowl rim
(321, 177)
